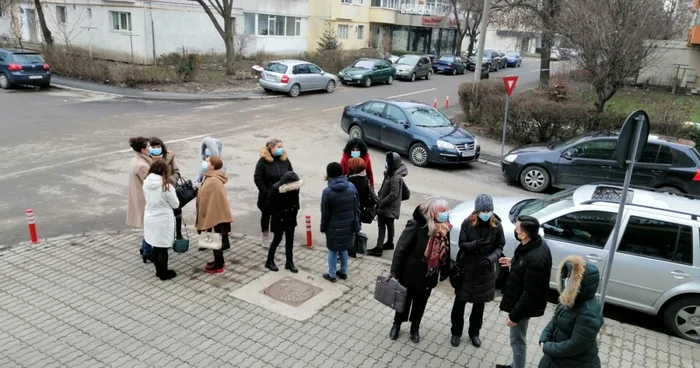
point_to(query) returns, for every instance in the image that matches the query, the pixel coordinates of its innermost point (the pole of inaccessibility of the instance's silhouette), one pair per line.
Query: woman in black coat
(390, 194)
(273, 163)
(420, 259)
(357, 175)
(283, 202)
(481, 242)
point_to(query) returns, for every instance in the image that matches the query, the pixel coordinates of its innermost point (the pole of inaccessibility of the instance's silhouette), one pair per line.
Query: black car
(409, 127)
(502, 59)
(491, 58)
(485, 65)
(449, 64)
(668, 164)
(22, 67)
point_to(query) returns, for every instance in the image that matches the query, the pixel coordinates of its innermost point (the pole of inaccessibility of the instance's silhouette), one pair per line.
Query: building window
(60, 14)
(121, 21)
(249, 23)
(361, 2)
(391, 4)
(280, 26)
(272, 25)
(360, 32)
(297, 27)
(343, 31)
(346, 1)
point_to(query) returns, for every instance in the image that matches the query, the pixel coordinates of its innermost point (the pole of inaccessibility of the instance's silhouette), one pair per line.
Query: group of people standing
(421, 254)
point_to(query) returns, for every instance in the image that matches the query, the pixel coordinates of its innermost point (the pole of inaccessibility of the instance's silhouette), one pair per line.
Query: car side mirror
(567, 155)
(404, 123)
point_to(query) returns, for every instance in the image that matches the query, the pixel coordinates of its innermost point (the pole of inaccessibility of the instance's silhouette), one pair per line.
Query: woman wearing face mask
(273, 163)
(209, 147)
(481, 242)
(136, 204)
(213, 209)
(159, 220)
(356, 148)
(158, 150)
(420, 259)
(389, 206)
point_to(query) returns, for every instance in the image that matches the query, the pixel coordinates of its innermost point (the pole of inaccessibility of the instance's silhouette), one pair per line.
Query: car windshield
(488, 54)
(425, 116)
(276, 68)
(542, 207)
(408, 60)
(560, 144)
(447, 58)
(28, 58)
(512, 54)
(364, 64)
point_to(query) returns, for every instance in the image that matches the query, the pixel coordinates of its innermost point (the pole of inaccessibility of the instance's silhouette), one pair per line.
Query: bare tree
(468, 14)
(242, 42)
(69, 26)
(222, 8)
(616, 37)
(45, 31)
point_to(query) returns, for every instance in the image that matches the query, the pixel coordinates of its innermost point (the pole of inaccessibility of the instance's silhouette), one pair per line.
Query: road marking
(332, 108)
(413, 93)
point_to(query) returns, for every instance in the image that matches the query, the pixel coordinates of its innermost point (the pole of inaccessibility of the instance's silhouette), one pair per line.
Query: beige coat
(174, 169)
(212, 203)
(136, 202)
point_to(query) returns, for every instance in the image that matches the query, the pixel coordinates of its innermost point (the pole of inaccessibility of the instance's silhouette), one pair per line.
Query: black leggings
(386, 227)
(288, 245)
(160, 260)
(265, 221)
(219, 253)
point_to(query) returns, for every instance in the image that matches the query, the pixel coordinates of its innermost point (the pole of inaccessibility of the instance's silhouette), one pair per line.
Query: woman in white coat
(159, 219)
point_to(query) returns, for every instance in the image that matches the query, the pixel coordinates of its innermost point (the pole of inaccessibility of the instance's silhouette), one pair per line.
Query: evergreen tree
(329, 40)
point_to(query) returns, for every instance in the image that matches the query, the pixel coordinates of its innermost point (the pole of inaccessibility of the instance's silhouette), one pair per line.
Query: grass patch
(659, 104)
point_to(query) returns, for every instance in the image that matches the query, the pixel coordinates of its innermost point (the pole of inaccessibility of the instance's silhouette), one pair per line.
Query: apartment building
(348, 18)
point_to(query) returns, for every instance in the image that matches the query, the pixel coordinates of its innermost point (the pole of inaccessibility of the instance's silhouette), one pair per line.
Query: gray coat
(391, 192)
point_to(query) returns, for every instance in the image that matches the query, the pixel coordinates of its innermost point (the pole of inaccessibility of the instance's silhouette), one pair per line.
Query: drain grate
(291, 291)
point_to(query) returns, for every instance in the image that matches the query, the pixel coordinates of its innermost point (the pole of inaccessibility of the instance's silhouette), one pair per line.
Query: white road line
(413, 93)
(332, 108)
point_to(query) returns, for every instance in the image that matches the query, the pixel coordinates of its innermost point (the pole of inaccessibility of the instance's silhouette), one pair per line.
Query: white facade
(142, 31)
(524, 42)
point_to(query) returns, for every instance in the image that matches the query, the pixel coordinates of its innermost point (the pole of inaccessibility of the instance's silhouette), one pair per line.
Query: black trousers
(288, 245)
(265, 220)
(178, 223)
(160, 260)
(386, 228)
(416, 301)
(219, 253)
(476, 318)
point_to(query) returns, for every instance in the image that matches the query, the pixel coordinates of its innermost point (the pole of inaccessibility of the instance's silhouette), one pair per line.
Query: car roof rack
(693, 216)
(655, 190)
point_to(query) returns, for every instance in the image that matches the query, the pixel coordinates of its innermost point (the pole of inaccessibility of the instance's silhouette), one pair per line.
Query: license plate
(468, 154)
(347, 78)
(35, 77)
(271, 78)
(441, 68)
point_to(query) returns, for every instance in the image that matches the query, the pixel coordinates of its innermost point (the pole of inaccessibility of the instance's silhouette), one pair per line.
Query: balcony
(416, 7)
(694, 35)
(382, 15)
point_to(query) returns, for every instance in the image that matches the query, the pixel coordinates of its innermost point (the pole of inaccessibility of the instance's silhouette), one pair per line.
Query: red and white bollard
(435, 103)
(309, 241)
(33, 236)
(447, 101)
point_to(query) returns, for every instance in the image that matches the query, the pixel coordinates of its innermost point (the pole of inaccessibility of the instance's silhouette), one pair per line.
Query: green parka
(570, 337)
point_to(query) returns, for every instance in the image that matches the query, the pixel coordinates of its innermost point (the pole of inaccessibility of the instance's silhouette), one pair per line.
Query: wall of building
(523, 42)
(352, 14)
(659, 68)
(296, 21)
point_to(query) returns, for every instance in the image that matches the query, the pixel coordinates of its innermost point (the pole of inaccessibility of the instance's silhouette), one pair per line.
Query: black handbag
(359, 244)
(369, 213)
(185, 191)
(457, 270)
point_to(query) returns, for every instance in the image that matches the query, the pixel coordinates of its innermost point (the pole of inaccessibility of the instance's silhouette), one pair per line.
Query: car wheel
(454, 71)
(294, 92)
(682, 317)
(497, 67)
(356, 132)
(4, 82)
(672, 190)
(330, 86)
(430, 74)
(418, 154)
(368, 82)
(534, 179)
(390, 80)
(413, 77)
(267, 90)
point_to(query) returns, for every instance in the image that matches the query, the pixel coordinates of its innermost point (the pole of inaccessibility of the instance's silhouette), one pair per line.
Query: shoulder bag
(185, 191)
(182, 245)
(210, 240)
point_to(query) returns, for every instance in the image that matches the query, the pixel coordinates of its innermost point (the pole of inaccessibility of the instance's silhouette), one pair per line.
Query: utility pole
(482, 38)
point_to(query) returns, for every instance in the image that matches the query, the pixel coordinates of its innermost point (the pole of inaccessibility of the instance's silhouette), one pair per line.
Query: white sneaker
(266, 239)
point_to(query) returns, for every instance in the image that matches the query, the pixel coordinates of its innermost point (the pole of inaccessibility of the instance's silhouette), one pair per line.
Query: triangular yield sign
(510, 82)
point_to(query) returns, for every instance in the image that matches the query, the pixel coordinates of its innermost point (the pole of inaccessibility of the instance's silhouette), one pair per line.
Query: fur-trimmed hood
(265, 153)
(578, 281)
(214, 145)
(289, 182)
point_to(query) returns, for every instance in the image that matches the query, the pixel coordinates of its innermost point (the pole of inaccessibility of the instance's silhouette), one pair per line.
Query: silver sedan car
(295, 76)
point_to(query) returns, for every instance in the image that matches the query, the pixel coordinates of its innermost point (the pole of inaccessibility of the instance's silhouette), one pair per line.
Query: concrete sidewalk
(490, 148)
(88, 301)
(133, 93)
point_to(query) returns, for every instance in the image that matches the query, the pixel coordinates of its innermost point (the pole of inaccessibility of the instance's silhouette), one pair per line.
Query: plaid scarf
(438, 247)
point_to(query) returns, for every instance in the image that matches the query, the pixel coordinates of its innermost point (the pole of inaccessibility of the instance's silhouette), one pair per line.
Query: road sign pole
(505, 123)
(618, 222)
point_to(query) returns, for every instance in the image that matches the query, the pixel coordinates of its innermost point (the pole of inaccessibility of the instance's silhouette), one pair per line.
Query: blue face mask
(205, 166)
(443, 217)
(355, 154)
(155, 151)
(207, 152)
(485, 216)
(279, 151)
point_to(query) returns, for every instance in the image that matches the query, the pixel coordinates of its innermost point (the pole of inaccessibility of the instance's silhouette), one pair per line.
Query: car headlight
(510, 158)
(445, 145)
(476, 142)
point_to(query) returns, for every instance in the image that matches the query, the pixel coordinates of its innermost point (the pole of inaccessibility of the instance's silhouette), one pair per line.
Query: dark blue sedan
(513, 59)
(20, 67)
(412, 128)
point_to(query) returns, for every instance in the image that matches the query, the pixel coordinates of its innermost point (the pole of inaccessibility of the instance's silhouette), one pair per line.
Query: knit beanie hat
(483, 202)
(334, 170)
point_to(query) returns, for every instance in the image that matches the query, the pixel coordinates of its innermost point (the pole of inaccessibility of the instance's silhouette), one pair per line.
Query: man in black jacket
(525, 294)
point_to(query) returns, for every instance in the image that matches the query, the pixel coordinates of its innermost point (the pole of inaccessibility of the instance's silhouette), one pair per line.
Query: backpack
(405, 192)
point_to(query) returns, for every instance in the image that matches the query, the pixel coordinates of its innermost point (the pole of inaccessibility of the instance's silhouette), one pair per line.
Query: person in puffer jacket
(569, 339)
(209, 147)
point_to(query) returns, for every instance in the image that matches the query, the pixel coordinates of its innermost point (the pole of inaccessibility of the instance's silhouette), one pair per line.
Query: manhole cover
(291, 291)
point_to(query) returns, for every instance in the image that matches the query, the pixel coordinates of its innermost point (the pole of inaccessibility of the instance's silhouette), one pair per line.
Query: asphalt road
(65, 154)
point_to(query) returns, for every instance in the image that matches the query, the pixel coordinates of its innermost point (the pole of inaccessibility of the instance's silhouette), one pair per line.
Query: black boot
(394, 333)
(376, 251)
(291, 267)
(415, 335)
(178, 227)
(388, 246)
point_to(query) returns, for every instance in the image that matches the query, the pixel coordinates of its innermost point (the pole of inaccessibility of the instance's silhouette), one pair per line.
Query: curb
(169, 99)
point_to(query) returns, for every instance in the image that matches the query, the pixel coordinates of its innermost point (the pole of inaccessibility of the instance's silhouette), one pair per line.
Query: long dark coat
(479, 281)
(268, 171)
(340, 214)
(391, 191)
(283, 202)
(362, 185)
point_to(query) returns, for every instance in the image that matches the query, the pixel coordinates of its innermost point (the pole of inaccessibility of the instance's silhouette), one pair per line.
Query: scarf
(438, 247)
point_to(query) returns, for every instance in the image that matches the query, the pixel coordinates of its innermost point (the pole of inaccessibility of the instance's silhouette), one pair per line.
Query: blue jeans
(333, 262)
(145, 248)
(518, 342)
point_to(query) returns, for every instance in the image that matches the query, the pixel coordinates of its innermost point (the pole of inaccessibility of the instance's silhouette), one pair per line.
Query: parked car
(554, 55)
(656, 267)
(295, 76)
(671, 165)
(412, 67)
(487, 62)
(23, 67)
(367, 72)
(513, 59)
(502, 59)
(494, 60)
(449, 64)
(422, 132)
